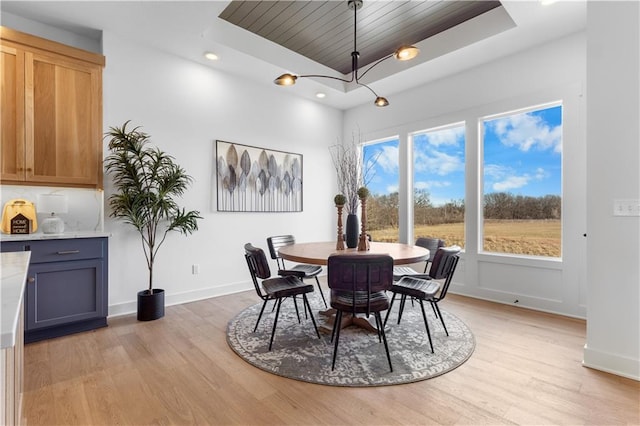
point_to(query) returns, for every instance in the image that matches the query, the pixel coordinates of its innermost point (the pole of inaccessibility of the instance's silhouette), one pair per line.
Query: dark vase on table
(352, 231)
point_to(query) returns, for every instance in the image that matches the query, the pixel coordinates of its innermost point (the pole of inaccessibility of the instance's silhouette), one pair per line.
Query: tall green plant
(147, 182)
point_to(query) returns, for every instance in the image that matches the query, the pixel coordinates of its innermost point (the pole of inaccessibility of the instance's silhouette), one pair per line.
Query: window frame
(481, 119)
(460, 123)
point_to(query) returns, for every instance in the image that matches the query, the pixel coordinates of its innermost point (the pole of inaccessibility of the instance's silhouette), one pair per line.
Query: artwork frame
(256, 179)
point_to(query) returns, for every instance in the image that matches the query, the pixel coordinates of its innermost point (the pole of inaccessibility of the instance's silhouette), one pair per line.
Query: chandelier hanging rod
(403, 53)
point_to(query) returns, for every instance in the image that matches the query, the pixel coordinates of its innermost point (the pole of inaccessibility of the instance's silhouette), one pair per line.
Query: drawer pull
(68, 252)
(31, 280)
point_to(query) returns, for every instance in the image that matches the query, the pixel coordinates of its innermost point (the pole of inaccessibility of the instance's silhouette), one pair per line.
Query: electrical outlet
(626, 207)
(195, 269)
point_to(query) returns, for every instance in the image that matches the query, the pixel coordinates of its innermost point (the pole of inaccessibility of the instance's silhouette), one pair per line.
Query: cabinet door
(63, 107)
(12, 112)
(63, 292)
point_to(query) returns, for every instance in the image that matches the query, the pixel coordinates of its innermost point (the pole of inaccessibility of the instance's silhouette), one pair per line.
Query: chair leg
(306, 315)
(337, 331)
(389, 310)
(402, 302)
(264, 305)
(426, 324)
(434, 303)
(333, 329)
(434, 308)
(384, 338)
(295, 302)
(275, 321)
(379, 326)
(321, 293)
(306, 304)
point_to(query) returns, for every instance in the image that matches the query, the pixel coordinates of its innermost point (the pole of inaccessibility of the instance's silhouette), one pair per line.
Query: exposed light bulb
(405, 53)
(381, 101)
(286, 80)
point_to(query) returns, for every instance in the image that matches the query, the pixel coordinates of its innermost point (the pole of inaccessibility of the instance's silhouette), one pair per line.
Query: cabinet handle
(68, 252)
(31, 280)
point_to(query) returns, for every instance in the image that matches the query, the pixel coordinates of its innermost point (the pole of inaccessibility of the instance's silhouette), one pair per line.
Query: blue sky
(522, 156)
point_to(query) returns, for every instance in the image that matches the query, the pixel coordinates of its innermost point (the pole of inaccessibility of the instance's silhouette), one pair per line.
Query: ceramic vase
(352, 230)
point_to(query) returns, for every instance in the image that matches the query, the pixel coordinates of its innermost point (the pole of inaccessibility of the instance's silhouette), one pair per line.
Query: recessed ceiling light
(211, 56)
(320, 95)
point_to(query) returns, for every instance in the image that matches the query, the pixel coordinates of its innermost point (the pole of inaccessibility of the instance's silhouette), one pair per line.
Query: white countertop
(43, 236)
(12, 281)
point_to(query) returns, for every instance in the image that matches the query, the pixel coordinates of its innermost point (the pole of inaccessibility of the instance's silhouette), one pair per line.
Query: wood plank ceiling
(324, 30)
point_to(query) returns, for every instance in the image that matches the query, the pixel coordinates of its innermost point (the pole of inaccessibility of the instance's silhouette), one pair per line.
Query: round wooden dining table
(318, 253)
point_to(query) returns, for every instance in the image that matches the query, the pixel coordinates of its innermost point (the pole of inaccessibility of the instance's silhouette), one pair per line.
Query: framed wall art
(253, 179)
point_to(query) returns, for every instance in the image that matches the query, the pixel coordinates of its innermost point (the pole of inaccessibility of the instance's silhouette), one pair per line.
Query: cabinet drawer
(65, 250)
(64, 292)
(12, 246)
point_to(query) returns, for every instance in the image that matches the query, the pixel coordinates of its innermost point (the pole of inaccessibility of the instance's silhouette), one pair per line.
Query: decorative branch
(351, 171)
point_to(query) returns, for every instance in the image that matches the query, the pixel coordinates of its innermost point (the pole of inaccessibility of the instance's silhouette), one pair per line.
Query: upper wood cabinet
(51, 112)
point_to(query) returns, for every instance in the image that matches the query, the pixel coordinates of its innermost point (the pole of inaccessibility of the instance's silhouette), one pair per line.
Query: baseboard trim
(131, 307)
(611, 363)
(525, 302)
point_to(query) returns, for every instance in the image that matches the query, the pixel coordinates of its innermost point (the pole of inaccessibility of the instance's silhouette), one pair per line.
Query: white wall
(613, 146)
(547, 73)
(185, 107)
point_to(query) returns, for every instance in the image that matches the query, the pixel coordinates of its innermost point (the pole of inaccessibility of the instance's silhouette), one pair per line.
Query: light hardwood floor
(526, 369)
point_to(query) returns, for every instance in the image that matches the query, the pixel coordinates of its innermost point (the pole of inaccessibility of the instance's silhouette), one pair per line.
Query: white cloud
(496, 171)
(526, 131)
(421, 185)
(512, 182)
(387, 160)
(504, 178)
(437, 162)
(541, 173)
(451, 136)
(391, 189)
(431, 184)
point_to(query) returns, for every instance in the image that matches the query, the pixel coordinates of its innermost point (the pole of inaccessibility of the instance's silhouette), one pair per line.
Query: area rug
(298, 354)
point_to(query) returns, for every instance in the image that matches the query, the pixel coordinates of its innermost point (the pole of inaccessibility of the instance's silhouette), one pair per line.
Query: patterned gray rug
(298, 354)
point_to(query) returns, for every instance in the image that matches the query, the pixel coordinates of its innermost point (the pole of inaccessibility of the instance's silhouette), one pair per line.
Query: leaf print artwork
(253, 179)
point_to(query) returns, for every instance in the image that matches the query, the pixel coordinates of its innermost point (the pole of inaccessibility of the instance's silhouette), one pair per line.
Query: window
(439, 184)
(381, 177)
(522, 182)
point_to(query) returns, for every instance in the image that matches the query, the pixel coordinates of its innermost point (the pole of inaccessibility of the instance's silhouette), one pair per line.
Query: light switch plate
(626, 207)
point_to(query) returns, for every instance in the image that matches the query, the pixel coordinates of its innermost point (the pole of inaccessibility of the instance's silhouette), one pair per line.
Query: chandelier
(403, 53)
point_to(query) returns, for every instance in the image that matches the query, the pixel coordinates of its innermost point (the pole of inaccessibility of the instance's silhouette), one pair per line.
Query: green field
(527, 237)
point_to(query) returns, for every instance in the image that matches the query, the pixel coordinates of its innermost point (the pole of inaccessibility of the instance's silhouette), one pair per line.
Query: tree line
(382, 210)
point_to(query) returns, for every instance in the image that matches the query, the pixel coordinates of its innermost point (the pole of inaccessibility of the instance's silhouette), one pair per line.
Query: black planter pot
(352, 231)
(150, 305)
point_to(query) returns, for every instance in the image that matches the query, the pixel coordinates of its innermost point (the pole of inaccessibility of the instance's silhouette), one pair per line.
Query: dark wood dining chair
(358, 284)
(289, 284)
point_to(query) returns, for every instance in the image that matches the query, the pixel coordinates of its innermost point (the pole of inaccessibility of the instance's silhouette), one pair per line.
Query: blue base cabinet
(67, 286)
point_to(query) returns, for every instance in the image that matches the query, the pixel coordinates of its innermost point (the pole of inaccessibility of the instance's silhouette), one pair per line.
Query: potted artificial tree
(147, 182)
